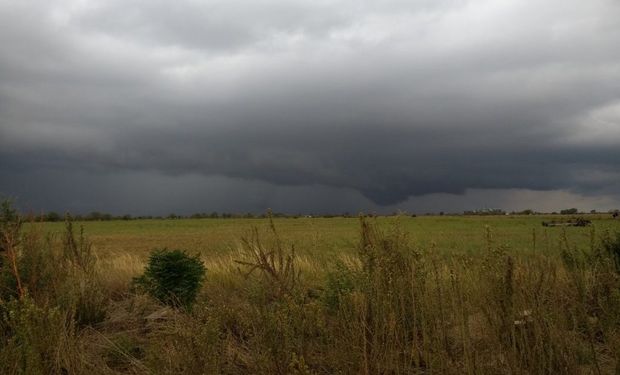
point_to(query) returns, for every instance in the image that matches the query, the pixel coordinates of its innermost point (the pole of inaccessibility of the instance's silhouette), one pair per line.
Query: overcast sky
(152, 106)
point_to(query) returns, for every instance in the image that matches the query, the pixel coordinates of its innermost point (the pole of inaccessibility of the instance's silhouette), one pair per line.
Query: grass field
(387, 295)
(324, 237)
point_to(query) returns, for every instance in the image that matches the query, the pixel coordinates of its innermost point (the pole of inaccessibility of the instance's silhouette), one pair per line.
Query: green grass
(325, 237)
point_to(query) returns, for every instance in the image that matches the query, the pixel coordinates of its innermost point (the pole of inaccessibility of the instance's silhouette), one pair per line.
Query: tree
(52, 216)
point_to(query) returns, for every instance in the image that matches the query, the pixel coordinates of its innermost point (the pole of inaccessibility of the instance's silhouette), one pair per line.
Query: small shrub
(611, 246)
(10, 233)
(276, 264)
(173, 277)
(339, 283)
(37, 339)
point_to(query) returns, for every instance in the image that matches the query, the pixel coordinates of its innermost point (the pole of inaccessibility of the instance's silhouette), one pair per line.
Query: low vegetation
(172, 277)
(385, 306)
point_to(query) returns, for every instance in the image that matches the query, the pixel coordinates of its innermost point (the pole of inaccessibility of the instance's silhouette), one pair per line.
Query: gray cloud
(393, 100)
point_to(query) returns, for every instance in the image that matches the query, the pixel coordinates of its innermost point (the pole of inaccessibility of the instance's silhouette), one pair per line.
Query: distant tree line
(486, 212)
(53, 216)
(102, 216)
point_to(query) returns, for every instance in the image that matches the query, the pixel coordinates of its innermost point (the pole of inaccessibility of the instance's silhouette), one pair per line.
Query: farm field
(325, 237)
(402, 295)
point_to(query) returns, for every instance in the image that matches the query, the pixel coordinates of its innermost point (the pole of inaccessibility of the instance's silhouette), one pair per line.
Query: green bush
(173, 277)
(37, 339)
(611, 246)
(339, 283)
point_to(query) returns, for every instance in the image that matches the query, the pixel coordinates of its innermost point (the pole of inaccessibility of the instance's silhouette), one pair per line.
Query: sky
(153, 107)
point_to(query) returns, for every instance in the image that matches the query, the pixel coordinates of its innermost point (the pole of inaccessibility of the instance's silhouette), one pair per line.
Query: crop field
(386, 295)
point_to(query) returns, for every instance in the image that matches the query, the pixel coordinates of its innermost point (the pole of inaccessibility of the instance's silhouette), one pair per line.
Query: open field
(388, 295)
(325, 237)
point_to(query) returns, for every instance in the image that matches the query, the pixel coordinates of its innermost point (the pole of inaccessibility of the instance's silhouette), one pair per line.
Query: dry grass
(116, 272)
(388, 305)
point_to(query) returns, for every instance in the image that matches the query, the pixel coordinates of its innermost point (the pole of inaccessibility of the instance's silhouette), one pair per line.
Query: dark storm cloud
(393, 100)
